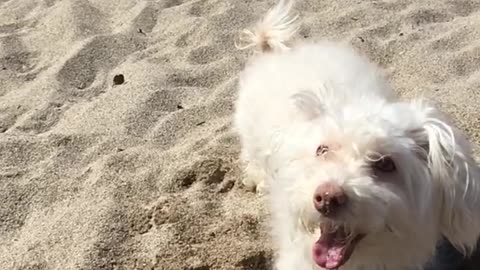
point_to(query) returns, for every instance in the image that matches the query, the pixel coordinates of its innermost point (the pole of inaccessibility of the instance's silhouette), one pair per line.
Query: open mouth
(335, 246)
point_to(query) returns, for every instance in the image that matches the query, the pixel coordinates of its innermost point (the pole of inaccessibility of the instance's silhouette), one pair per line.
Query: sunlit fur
(293, 99)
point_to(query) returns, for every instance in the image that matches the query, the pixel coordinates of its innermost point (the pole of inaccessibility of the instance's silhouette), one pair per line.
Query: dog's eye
(385, 164)
(322, 150)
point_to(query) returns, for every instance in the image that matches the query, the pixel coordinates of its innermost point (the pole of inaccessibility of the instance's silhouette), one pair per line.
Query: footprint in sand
(102, 52)
(204, 55)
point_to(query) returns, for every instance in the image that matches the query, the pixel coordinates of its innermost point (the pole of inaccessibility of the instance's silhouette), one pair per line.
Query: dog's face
(373, 184)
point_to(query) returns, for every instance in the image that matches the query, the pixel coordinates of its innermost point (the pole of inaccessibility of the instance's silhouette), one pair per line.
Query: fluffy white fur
(293, 99)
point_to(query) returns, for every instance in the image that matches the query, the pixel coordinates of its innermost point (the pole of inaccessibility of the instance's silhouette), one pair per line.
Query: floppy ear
(452, 166)
(308, 103)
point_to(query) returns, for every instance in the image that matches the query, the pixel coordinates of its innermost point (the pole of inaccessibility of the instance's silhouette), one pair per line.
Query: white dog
(356, 178)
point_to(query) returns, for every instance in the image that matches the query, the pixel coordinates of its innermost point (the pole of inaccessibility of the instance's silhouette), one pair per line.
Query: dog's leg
(254, 178)
(291, 259)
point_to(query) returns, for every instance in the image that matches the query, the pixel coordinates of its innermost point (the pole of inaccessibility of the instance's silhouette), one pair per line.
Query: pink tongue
(329, 251)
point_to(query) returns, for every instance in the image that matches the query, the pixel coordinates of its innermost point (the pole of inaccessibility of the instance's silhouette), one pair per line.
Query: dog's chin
(334, 246)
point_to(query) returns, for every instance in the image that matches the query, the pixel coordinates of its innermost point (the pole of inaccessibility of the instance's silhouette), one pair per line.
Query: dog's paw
(261, 189)
(254, 179)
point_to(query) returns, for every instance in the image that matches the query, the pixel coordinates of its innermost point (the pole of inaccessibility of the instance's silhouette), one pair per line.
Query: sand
(144, 173)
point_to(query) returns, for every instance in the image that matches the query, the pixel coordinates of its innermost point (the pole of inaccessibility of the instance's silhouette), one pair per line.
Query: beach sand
(144, 173)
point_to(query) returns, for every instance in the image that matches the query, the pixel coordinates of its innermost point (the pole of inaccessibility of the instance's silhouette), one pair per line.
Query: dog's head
(377, 181)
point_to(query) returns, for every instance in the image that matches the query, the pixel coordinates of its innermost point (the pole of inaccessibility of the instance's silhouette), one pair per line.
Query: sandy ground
(144, 174)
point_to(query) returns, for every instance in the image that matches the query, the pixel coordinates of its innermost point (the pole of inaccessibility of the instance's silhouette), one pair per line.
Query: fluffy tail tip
(273, 31)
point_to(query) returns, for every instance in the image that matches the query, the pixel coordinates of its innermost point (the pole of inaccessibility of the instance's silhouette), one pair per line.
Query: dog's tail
(273, 31)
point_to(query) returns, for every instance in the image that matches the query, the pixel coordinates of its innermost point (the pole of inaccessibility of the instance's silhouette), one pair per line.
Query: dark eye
(322, 149)
(385, 164)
